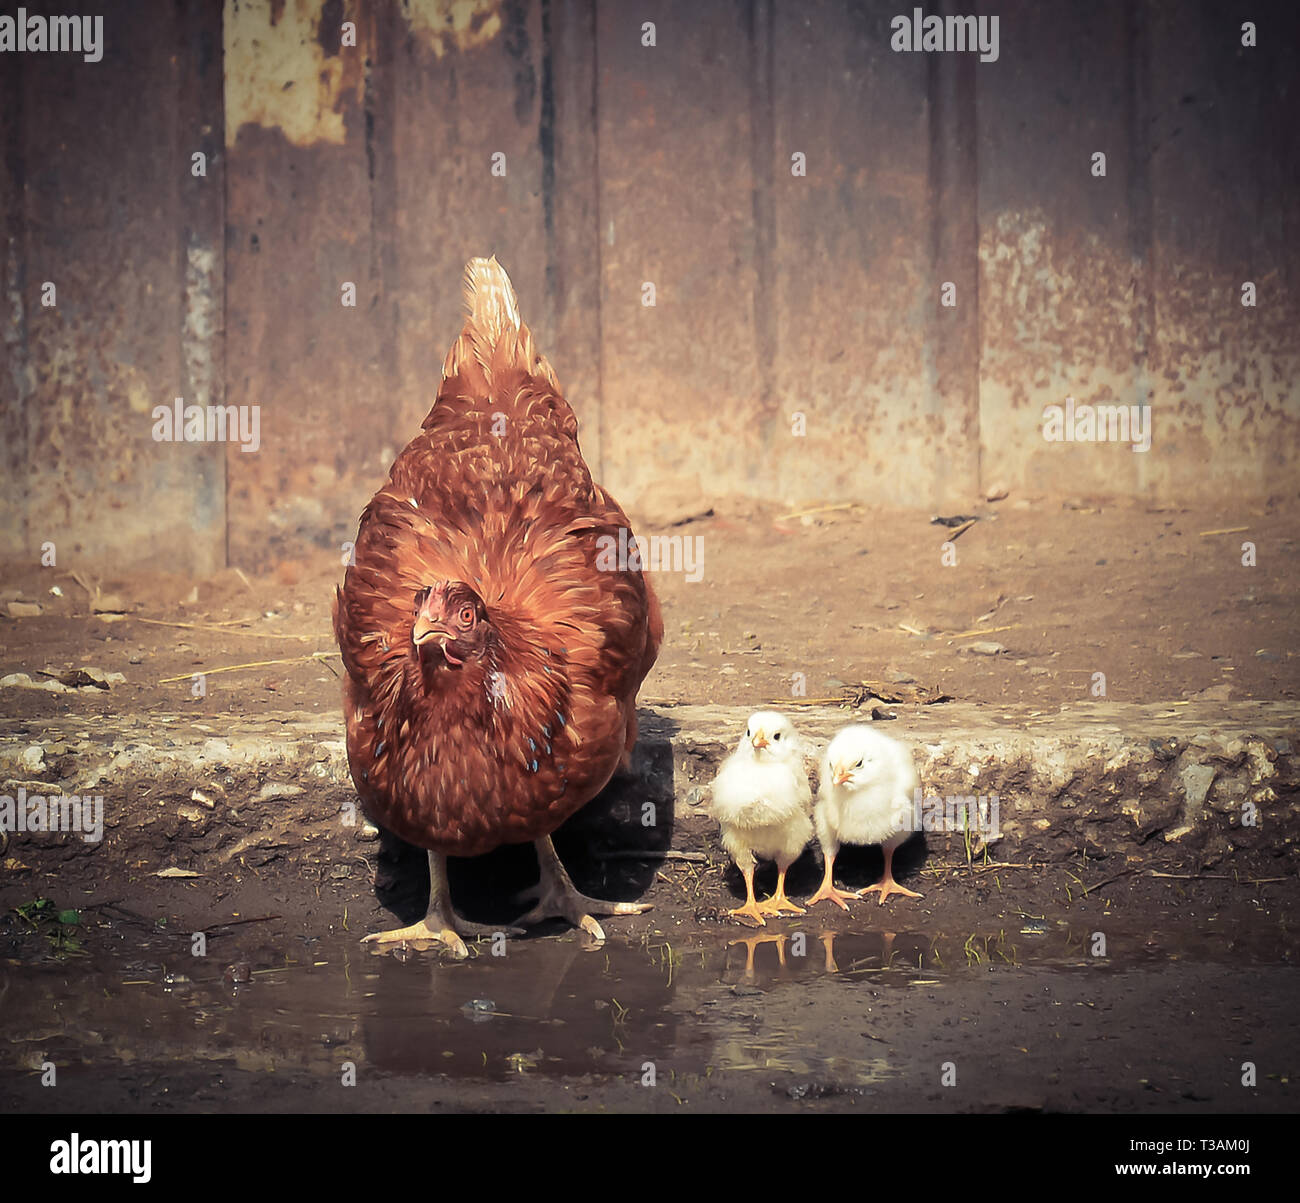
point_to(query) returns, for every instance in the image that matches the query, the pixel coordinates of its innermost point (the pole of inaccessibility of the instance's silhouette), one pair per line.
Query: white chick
(866, 794)
(762, 800)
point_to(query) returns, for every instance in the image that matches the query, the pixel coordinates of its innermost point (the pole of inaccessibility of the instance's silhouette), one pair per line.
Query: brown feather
(493, 492)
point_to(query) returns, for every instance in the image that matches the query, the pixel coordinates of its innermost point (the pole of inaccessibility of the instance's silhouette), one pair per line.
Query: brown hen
(493, 642)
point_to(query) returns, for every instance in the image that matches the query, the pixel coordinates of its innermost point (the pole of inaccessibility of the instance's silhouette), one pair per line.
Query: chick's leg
(751, 909)
(826, 891)
(557, 897)
(779, 904)
(438, 925)
(887, 885)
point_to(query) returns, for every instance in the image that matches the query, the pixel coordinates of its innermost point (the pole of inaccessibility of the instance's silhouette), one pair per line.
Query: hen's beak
(426, 629)
(839, 774)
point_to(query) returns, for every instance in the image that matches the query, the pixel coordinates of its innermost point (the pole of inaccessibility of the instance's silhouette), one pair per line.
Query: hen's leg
(438, 925)
(827, 891)
(887, 885)
(557, 898)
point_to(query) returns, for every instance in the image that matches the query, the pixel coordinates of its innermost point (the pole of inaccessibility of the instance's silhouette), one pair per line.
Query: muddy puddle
(1024, 1017)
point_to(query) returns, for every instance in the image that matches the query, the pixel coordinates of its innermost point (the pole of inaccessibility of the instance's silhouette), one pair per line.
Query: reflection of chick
(761, 800)
(867, 787)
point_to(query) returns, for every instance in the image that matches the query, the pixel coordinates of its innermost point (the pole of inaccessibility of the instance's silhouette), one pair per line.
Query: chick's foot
(887, 887)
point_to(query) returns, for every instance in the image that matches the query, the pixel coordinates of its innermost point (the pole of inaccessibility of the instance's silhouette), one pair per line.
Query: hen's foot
(423, 932)
(886, 887)
(558, 898)
(577, 908)
(486, 931)
(829, 893)
(438, 925)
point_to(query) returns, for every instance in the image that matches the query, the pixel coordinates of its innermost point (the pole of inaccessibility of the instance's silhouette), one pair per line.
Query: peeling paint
(446, 25)
(279, 75)
(202, 322)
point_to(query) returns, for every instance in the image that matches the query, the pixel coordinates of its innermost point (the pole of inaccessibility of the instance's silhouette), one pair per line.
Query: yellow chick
(865, 797)
(761, 800)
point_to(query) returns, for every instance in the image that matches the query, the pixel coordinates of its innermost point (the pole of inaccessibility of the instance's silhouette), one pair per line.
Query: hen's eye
(467, 616)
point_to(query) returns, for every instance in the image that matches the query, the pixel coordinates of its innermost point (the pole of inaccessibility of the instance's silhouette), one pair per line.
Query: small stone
(985, 647)
(274, 790)
(238, 974)
(996, 492)
(20, 609)
(33, 759)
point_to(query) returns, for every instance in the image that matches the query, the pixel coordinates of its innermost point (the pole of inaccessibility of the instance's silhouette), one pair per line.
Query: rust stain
(280, 75)
(446, 25)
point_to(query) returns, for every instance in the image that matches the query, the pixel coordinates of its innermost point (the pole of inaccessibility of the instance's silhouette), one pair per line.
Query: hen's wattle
(493, 653)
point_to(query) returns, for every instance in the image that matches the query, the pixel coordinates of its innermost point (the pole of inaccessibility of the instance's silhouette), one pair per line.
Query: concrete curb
(1201, 780)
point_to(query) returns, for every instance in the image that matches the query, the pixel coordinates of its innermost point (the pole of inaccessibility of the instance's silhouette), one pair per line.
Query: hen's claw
(437, 926)
(557, 898)
(422, 932)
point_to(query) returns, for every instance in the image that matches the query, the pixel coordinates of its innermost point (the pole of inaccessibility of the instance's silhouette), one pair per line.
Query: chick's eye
(777, 735)
(858, 765)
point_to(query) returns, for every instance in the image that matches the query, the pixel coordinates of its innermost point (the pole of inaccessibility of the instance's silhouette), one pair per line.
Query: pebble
(985, 647)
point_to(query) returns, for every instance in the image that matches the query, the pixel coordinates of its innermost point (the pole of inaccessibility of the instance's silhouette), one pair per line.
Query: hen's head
(451, 623)
(769, 736)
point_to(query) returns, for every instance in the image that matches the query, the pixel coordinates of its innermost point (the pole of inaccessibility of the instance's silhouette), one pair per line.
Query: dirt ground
(1144, 595)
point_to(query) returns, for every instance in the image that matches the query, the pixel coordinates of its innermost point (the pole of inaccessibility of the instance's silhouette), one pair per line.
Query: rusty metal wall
(104, 218)
(797, 348)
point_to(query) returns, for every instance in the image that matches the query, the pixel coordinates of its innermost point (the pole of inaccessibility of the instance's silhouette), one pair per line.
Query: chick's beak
(759, 741)
(839, 774)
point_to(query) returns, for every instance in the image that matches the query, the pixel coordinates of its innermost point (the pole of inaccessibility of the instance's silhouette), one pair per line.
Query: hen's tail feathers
(494, 337)
(490, 298)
